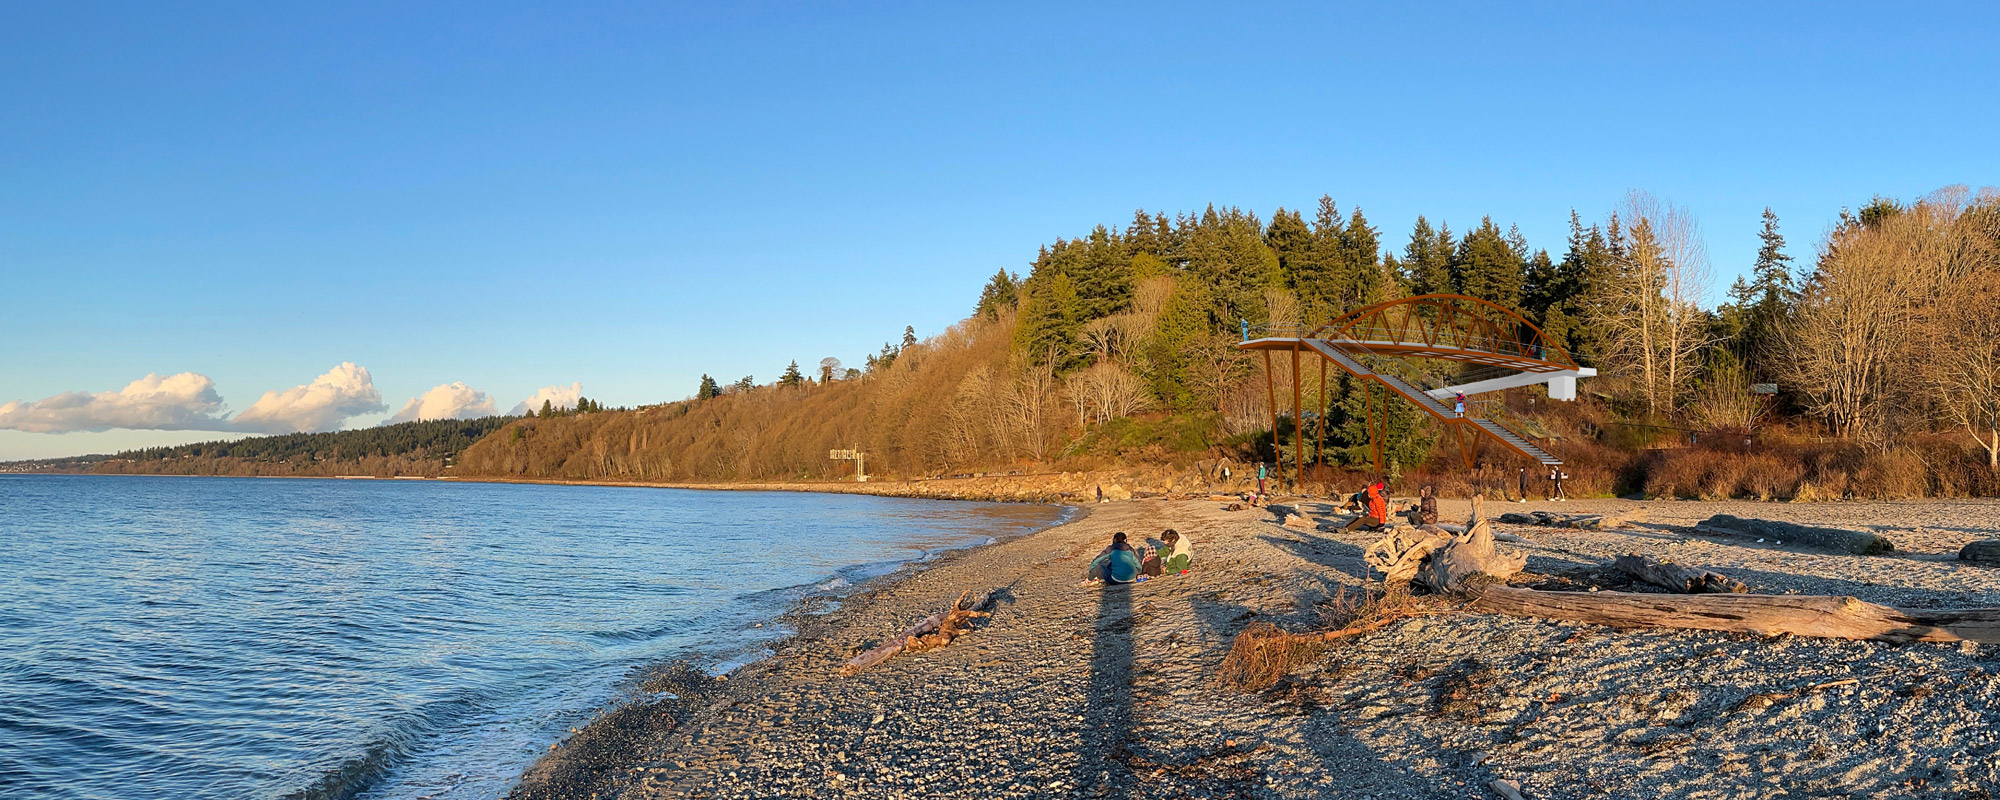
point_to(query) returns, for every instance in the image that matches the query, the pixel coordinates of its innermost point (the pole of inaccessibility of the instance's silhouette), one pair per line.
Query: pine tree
(1487, 267)
(1426, 261)
(548, 409)
(1361, 264)
(1051, 317)
(1764, 304)
(1002, 293)
(909, 336)
(792, 376)
(708, 389)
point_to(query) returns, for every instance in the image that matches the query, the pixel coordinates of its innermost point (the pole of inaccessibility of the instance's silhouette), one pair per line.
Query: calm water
(217, 637)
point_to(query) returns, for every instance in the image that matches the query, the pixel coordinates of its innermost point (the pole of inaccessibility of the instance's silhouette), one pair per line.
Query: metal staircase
(1336, 351)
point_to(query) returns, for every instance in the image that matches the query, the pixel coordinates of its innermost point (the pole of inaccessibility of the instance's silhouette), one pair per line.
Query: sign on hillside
(843, 455)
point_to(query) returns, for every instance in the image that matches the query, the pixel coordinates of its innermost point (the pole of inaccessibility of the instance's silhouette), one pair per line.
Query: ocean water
(166, 637)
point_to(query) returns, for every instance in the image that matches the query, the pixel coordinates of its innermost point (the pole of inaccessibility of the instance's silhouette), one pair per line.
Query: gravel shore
(1078, 691)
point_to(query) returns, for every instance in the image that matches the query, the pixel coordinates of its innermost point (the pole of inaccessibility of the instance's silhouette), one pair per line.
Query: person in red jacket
(1378, 508)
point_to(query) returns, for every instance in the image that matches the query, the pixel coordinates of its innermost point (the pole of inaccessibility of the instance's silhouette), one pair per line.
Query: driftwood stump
(1686, 580)
(1441, 560)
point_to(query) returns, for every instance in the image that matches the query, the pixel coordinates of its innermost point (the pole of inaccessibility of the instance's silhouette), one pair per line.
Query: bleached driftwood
(1688, 580)
(1845, 540)
(1442, 560)
(936, 630)
(1767, 615)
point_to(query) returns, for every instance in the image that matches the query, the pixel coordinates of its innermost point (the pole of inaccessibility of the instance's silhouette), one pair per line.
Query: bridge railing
(1381, 334)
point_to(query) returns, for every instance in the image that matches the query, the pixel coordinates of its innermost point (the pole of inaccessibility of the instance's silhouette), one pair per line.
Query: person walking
(1260, 479)
(1461, 405)
(1524, 486)
(1556, 478)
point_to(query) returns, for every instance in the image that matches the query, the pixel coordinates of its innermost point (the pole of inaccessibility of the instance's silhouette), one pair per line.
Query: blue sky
(628, 196)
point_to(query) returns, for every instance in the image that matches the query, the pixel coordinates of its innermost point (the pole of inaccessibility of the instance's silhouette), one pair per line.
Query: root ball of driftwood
(1442, 560)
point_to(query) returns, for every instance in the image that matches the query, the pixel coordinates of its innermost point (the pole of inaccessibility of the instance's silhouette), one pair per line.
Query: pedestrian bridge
(1499, 348)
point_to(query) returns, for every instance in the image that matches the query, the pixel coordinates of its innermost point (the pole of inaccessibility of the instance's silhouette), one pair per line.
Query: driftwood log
(1551, 519)
(1842, 540)
(936, 630)
(1686, 580)
(1444, 561)
(1985, 551)
(1768, 615)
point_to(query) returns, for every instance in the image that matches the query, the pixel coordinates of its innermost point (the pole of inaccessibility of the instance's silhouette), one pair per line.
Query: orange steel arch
(1456, 327)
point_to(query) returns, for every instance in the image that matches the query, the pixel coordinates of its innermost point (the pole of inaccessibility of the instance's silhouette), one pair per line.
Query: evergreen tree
(1051, 318)
(1002, 293)
(909, 337)
(792, 376)
(1760, 307)
(1361, 247)
(1427, 260)
(1487, 267)
(708, 389)
(548, 409)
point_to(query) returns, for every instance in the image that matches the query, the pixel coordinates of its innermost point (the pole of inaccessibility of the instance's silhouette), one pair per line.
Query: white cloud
(558, 396)
(344, 391)
(453, 400)
(186, 401)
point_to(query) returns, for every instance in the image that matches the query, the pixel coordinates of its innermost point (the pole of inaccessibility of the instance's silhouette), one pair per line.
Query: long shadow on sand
(1108, 716)
(1324, 551)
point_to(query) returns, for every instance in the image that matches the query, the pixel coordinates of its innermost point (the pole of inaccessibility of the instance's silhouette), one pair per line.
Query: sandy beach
(1079, 691)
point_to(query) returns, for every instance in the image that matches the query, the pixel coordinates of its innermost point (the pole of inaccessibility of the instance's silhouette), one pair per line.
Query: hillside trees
(1879, 310)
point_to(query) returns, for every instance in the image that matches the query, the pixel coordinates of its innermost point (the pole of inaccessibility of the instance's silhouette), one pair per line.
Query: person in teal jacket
(1118, 563)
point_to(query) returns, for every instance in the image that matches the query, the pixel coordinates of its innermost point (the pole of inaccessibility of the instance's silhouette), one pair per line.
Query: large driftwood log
(936, 630)
(1687, 580)
(1985, 551)
(1844, 540)
(1551, 519)
(1442, 560)
(1768, 615)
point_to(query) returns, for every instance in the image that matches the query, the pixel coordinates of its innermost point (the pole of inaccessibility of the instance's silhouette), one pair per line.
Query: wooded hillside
(1118, 346)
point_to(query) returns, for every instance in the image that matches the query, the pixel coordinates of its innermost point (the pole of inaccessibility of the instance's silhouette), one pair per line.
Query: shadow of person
(1102, 769)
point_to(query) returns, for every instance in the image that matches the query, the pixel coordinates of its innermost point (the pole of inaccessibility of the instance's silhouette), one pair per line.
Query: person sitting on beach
(1427, 506)
(1377, 515)
(1172, 555)
(1177, 554)
(1118, 563)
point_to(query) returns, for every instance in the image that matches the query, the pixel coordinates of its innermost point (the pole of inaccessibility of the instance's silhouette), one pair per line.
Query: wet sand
(1078, 691)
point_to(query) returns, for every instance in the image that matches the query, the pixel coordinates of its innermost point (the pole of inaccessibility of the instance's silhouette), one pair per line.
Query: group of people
(1122, 563)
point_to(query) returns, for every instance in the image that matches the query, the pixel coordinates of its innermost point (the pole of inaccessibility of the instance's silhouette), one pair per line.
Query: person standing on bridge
(1461, 404)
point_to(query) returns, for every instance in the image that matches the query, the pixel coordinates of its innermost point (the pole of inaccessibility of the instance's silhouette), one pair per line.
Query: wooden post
(1271, 393)
(1298, 429)
(1319, 448)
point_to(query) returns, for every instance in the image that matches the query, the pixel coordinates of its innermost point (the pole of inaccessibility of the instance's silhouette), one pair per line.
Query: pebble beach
(1079, 690)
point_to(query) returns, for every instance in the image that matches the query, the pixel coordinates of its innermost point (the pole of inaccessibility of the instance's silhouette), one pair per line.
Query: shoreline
(1073, 691)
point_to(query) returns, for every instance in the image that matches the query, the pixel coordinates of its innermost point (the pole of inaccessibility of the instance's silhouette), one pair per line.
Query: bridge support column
(1298, 427)
(1319, 447)
(1271, 394)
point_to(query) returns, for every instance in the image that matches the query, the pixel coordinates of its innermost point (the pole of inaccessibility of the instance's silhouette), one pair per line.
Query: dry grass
(1263, 653)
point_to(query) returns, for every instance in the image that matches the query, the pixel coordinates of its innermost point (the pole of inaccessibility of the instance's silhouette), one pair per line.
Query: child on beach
(1117, 563)
(1173, 557)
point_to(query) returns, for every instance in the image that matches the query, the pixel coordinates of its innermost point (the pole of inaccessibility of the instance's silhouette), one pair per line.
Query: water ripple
(186, 637)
